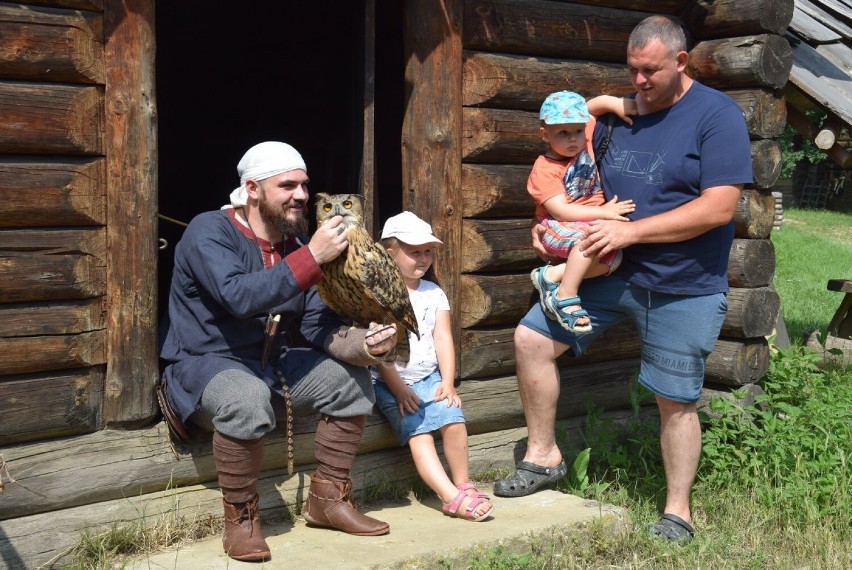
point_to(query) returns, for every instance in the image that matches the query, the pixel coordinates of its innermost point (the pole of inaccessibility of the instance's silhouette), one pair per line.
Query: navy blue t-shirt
(666, 159)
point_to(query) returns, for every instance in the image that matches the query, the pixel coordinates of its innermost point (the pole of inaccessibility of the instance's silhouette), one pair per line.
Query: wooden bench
(841, 323)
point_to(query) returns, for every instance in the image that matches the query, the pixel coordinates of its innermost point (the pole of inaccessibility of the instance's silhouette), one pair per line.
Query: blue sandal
(568, 319)
(545, 289)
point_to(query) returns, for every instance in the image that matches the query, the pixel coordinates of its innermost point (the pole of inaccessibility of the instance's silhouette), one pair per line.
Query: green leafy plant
(795, 148)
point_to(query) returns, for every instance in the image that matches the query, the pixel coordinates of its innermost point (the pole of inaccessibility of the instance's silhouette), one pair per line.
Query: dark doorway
(227, 79)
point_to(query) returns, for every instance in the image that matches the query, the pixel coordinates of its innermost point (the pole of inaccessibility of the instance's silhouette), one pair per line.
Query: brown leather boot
(328, 505)
(243, 539)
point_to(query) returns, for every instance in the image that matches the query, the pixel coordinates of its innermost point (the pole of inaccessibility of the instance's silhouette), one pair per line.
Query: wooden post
(131, 156)
(432, 132)
(368, 144)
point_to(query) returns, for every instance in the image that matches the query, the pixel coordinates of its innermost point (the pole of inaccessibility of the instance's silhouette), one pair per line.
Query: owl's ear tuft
(321, 196)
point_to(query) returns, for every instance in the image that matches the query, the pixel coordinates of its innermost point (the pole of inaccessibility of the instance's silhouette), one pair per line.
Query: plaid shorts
(561, 237)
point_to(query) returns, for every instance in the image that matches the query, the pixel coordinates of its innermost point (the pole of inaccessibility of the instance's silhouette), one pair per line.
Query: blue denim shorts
(431, 415)
(677, 332)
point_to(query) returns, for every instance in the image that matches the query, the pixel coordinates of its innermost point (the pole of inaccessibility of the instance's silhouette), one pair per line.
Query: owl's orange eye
(347, 204)
(326, 207)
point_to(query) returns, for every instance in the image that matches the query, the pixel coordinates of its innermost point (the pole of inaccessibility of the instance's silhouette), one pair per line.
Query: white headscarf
(263, 161)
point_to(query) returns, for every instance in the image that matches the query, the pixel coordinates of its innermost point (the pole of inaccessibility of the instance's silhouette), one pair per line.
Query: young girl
(420, 398)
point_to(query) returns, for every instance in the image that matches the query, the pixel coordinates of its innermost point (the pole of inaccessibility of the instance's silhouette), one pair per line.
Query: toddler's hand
(615, 210)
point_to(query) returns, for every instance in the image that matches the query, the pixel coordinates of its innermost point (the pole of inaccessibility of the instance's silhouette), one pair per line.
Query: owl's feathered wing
(365, 285)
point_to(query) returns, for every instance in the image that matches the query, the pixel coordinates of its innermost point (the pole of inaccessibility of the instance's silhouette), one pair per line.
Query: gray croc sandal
(672, 528)
(529, 478)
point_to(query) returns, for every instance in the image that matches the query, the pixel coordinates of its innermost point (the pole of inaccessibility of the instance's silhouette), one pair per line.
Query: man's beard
(278, 218)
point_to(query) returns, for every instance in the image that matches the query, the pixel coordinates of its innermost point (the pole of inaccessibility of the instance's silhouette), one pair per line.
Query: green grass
(811, 247)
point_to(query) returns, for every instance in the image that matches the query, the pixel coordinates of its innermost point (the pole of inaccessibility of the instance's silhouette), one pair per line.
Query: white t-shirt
(426, 301)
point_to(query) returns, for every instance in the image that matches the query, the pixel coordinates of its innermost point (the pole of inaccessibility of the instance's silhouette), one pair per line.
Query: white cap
(408, 228)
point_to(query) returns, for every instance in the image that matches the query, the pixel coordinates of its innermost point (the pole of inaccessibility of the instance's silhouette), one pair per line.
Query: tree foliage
(795, 148)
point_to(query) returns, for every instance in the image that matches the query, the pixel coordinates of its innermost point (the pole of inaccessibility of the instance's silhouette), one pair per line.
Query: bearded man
(249, 339)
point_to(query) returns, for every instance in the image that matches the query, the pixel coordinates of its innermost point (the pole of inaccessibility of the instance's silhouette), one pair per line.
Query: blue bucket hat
(564, 107)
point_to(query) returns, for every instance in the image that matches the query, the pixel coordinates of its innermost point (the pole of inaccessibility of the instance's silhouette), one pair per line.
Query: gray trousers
(240, 405)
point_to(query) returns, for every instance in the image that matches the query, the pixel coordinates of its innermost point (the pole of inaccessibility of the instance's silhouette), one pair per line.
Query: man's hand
(380, 338)
(604, 236)
(329, 240)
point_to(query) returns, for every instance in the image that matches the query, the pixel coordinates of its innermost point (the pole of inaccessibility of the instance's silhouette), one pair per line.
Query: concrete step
(418, 529)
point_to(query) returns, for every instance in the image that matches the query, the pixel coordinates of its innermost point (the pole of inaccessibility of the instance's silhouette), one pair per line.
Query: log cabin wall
(77, 215)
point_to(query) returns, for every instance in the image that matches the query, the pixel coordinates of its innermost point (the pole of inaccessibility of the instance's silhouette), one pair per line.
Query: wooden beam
(732, 18)
(432, 131)
(368, 141)
(70, 192)
(51, 119)
(131, 158)
(763, 60)
(51, 45)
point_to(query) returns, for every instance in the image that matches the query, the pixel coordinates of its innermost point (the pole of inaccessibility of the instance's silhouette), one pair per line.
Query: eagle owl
(364, 283)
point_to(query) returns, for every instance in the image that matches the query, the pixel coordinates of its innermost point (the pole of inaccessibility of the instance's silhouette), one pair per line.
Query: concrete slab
(417, 529)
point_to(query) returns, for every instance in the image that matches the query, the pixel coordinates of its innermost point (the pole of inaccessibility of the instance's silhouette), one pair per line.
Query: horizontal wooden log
(38, 193)
(754, 214)
(751, 263)
(85, 241)
(52, 405)
(732, 18)
(45, 265)
(498, 300)
(51, 119)
(488, 300)
(521, 82)
(68, 317)
(763, 60)
(23, 355)
(503, 245)
(496, 245)
(92, 5)
(738, 362)
(499, 191)
(109, 464)
(496, 191)
(25, 278)
(671, 7)
(51, 45)
(765, 111)
(551, 29)
(491, 352)
(501, 136)
(751, 313)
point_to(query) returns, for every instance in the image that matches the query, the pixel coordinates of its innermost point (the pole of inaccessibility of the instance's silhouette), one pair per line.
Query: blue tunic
(221, 295)
(665, 160)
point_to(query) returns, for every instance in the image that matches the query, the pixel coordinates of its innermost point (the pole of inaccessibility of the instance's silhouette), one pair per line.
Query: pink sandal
(471, 487)
(452, 508)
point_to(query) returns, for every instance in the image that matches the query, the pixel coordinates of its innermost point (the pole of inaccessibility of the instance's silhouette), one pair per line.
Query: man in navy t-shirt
(683, 161)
